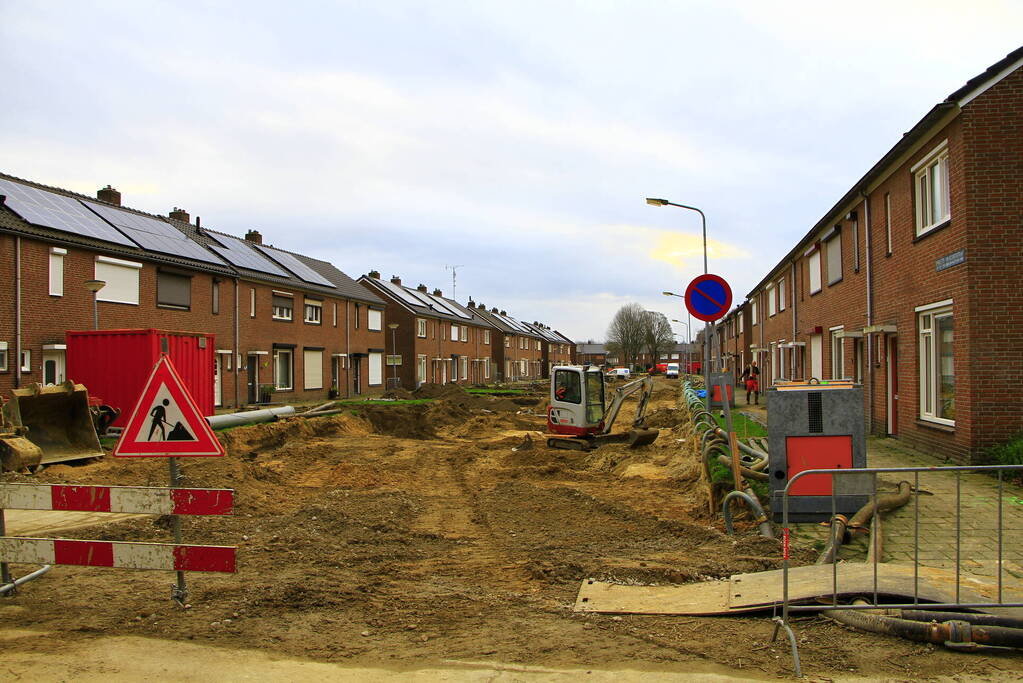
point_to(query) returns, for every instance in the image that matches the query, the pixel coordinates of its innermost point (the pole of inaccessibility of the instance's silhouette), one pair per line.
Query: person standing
(751, 377)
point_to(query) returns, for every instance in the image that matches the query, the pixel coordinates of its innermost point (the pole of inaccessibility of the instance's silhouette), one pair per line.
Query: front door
(816, 356)
(356, 374)
(218, 391)
(251, 378)
(53, 367)
(893, 386)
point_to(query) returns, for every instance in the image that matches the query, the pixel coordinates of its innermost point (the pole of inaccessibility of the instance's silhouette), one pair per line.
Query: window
(312, 368)
(173, 291)
(252, 302)
(753, 310)
(568, 386)
(834, 248)
(57, 271)
(937, 371)
(742, 323)
(888, 221)
(122, 278)
(537, 344)
(313, 314)
(465, 333)
(376, 369)
(858, 360)
(781, 294)
(420, 328)
(523, 368)
(931, 190)
(814, 267)
(283, 307)
(358, 308)
(507, 342)
(837, 353)
(454, 369)
(26, 360)
(486, 368)
(282, 369)
(3, 356)
(421, 368)
(375, 322)
(771, 301)
(856, 246)
(334, 306)
(215, 297)
(454, 332)
(486, 336)
(465, 367)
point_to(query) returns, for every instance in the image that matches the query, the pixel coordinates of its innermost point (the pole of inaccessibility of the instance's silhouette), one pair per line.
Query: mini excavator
(577, 418)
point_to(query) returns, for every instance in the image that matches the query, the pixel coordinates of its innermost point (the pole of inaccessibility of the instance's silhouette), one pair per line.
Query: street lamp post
(394, 352)
(94, 286)
(652, 201)
(689, 343)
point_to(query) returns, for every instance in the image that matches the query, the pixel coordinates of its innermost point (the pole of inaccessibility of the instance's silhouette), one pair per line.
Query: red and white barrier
(171, 557)
(126, 499)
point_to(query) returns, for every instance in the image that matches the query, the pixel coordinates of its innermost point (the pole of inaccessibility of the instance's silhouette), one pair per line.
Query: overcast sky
(516, 140)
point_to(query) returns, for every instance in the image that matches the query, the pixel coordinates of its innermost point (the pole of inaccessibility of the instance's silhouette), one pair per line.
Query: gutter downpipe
(237, 353)
(870, 310)
(795, 324)
(348, 349)
(17, 312)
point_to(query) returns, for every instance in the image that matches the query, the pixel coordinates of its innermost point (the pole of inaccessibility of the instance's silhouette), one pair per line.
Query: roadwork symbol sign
(708, 297)
(166, 421)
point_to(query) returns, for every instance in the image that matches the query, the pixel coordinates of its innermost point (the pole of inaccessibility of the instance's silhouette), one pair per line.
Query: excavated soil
(405, 536)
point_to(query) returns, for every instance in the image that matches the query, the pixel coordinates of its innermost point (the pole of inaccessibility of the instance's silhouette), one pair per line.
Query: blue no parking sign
(708, 297)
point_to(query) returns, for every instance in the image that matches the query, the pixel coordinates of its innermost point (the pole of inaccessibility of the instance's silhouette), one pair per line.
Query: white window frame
(930, 359)
(486, 336)
(772, 307)
(421, 369)
(421, 329)
(334, 306)
(125, 292)
(813, 266)
(742, 323)
(376, 369)
(465, 367)
(781, 294)
(278, 385)
(252, 302)
(753, 310)
(507, 342)
(837, 352)
(3, 356)
(375, 320)
(537, 344)
(454, 331)
(486, 368)
(929, 173)
(26, 360)
(465, 333)
(312, 314)
(57, 271)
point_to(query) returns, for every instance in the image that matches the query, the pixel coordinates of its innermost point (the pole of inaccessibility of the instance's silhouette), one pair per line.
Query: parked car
(671, 371)
(618, 373)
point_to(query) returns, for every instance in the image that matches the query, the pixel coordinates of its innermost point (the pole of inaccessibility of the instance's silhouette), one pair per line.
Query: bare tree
(626, 334)
(658, 337)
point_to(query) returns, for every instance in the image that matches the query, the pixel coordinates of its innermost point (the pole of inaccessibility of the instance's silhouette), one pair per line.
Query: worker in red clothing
(751, 377)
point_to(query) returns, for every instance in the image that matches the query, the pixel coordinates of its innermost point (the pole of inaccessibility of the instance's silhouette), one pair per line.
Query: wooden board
(751, 592)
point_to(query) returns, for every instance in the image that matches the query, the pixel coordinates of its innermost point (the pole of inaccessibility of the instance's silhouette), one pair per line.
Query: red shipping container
(115, 364)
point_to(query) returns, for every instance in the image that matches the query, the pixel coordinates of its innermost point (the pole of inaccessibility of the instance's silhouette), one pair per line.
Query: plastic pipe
(28, 577)
(248, 417)
(755, 508)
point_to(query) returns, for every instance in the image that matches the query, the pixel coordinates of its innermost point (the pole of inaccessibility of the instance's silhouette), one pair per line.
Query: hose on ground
(953, 633)
(746, 472)
(758, 512)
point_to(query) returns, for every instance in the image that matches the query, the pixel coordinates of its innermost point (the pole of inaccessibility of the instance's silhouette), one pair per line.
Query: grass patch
(722, 473)
(496, 392)
(745, 428)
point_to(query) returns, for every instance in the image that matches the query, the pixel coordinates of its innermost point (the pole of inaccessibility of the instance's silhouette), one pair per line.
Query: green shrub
(1008, 453)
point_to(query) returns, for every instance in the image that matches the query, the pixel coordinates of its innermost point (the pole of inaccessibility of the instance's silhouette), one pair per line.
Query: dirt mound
(399, 394)
(446, 391)
(666, 417)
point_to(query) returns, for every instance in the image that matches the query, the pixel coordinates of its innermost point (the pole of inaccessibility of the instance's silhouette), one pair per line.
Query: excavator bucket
(45, 425)
(641, 437)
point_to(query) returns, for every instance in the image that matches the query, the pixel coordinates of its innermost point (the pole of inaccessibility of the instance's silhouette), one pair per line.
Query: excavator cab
(578, 417)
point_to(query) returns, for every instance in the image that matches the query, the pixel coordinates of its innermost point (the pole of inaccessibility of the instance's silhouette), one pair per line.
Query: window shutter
(173, 290)
(312, 368)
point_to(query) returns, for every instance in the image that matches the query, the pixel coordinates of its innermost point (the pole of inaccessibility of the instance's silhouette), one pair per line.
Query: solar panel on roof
(401, 293)
(300, 269)
(444, 307)
(239, 253)
(56, 211)
(154, 234)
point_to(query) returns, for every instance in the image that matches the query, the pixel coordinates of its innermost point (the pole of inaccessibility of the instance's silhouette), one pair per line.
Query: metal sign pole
(180, 591)
(5, 569)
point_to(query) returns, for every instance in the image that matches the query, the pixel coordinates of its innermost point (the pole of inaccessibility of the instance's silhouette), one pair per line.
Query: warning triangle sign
(166, 421)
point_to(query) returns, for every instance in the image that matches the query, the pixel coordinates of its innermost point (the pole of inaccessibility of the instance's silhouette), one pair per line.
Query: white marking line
(27, 550)
(138, 556)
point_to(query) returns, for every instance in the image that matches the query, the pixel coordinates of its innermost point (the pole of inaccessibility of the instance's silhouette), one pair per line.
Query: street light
(394, 352)
(689, 343)
(94, 286)
(653, 201)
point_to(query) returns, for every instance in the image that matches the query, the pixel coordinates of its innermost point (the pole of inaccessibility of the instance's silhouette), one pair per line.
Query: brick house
(909, 284)
(167, 273)
(438, 339)
(592, 354)
(555, 348)
(518, 352)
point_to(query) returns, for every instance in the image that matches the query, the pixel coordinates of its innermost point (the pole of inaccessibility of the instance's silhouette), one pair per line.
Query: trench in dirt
(408, 535)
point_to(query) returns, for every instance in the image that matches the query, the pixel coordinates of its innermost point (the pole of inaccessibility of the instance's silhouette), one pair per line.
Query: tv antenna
(453, 270)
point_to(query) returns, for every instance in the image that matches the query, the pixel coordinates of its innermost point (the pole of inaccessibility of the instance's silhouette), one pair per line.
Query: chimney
(254, 237)
(421, 288)
(395, 280)
(503, 313)
(437, 292)
(375, 274)
(180, 215)
(109, 195)
(494, 309)
(198, 224)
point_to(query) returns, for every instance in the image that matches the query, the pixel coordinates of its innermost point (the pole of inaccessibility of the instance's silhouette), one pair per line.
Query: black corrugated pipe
(758, 512)
(953, 632)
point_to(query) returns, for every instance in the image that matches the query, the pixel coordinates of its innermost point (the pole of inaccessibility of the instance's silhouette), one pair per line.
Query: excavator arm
(644, 384)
